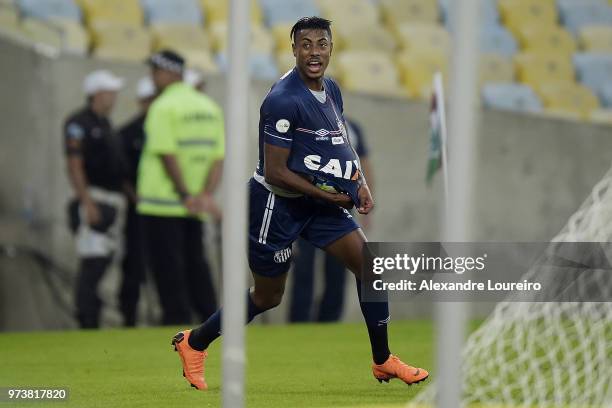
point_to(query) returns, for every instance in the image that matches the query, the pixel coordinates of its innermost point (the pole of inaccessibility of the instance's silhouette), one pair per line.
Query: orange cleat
(395, 368)
(192, 360)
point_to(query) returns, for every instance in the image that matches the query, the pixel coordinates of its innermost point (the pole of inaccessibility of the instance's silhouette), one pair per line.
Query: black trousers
(302, 291)
(133, 267)
(88, 302)
(175, 251)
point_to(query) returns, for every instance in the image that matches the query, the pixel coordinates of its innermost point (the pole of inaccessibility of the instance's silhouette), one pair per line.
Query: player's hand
(365, 199)
(92, 213)
(341, 200)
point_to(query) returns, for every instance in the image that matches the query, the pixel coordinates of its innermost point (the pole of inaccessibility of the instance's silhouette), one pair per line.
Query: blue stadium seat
(174, 11)
(287, 11)
(263, 66)
(595, 70)
(511, 96)
(489, 12)
(579, 14)
(569, 3)
(495, 39)
(605, 95)
(45, 9)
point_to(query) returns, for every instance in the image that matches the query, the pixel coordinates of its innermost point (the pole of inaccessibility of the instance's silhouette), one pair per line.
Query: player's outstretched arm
(278, 174)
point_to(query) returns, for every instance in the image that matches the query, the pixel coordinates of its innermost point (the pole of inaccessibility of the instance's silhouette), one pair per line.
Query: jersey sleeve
(74, 134)
(159, 130)
(279, 121)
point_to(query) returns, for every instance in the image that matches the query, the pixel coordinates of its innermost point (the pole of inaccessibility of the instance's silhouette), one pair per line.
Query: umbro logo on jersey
(283, 255)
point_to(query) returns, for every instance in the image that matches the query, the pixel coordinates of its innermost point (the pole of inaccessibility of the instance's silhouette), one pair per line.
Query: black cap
(167, 60)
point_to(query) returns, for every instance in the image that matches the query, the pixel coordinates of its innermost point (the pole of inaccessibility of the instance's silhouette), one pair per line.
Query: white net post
(234, 204)
(451, 317)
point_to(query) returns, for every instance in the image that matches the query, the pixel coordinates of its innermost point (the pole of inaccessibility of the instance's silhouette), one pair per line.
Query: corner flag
(437, 133)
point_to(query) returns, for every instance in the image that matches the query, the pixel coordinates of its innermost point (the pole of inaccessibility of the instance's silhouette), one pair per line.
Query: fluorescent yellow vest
(189, 125)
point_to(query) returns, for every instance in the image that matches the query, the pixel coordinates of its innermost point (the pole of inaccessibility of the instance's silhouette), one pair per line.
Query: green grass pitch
(287, 366)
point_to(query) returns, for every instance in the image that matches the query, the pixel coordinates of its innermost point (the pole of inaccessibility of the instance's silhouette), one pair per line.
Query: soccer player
(303, 146)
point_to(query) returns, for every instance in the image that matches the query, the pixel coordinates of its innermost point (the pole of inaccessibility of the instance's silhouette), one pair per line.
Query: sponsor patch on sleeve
(283, 125)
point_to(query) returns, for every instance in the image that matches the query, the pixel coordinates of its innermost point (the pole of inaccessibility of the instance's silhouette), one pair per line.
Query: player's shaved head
(311, 23)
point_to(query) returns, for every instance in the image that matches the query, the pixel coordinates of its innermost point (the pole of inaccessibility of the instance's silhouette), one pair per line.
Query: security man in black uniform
(133, 266)
(96, 173)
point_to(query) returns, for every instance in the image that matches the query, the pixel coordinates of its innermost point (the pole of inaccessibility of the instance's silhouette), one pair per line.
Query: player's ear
(331, 47)
(293, 48)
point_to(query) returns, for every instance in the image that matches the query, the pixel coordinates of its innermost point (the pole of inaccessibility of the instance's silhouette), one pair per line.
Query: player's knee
(269, 299)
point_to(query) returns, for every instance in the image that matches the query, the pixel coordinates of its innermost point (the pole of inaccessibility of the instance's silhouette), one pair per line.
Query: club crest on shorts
(283, 255)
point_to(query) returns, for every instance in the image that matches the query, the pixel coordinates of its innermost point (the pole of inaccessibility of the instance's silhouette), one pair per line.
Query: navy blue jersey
(315, 132)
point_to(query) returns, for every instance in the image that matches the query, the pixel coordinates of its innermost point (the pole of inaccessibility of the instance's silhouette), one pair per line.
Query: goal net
(558, 353)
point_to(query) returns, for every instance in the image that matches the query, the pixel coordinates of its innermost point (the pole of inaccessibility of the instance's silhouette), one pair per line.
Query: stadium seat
(601, 116)
(175, 11)
(372, 73)
(596, 38)
(495, 68)
(489, 13)
(120, 41)
(349, 12)
(201, 60)
(496, 39)
(282, 39)
(46, 9)
(368, 37)
(578, 15)
(594, 70)
(568, 97)
(217, 11)
(262, 66)
(113, 11)
(179, 37)
(42, 32)
(415, 36)
(287, 11)
(121, 52)
(262, 41)
(605, 95)
(285, 61)
(75, 37)
(396, 12)
(535, 38)
(518, 13)
(417, 69)
(511, 96)
(9, 18)
(537, 68)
